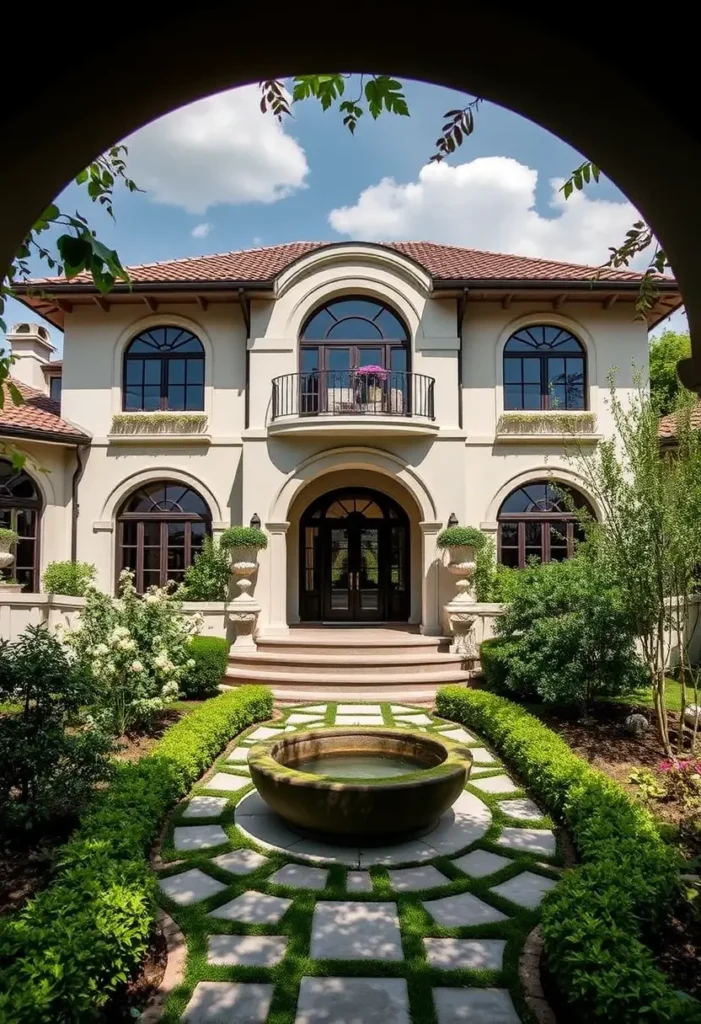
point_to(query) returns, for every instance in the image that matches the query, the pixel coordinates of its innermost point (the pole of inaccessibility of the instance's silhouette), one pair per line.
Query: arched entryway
(354, 558)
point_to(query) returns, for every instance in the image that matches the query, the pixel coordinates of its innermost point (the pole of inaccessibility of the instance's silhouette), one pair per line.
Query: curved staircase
(349, 664)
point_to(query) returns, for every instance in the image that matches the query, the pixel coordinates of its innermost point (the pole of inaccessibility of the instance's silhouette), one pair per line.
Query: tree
(649, 535)
(665, 352)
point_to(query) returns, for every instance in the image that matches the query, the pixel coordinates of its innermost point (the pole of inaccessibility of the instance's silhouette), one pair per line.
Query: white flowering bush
(137, 650)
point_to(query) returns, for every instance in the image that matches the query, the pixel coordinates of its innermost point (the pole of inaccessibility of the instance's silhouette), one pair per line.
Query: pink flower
(377, 371)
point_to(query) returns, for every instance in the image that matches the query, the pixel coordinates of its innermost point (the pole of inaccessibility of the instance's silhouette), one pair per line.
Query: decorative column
(430, 593)
(277, 579)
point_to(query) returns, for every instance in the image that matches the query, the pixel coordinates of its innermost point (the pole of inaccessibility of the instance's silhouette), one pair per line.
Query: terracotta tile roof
(443, 262)
(38, 415)
(53, 364)
(668, 424)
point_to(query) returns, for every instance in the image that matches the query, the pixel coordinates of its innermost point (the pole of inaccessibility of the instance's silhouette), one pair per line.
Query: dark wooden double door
(354, 559)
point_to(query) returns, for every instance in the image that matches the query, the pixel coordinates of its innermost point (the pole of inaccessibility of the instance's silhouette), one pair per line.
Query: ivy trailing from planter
(243, 537)
(556, 422)
(461, 536)
(596, 922)
(78, 941)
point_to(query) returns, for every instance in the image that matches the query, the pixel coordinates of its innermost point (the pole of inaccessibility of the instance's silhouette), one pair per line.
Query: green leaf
(81, 178)
(15, 393)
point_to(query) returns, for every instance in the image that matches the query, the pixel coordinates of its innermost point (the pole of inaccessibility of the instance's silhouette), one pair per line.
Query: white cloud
(201, 230)
(488, 203)
(219, 150)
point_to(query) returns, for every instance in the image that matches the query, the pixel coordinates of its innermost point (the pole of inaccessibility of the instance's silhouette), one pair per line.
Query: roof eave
(46, 436)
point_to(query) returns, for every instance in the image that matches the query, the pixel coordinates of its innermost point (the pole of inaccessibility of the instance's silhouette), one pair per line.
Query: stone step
(296, 691)
(348, 686)
(369, 642)
(323, 666)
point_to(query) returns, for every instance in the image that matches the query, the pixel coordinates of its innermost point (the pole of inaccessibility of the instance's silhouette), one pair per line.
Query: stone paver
(346, 930)
(483, 756)
(263, 733)
(300, 876)
(297, 718)
(214, 1002)
(480, 863)
(359, 881)
(190, 887)
(529, 840)
(523, 809)
(413, 879)
(359, 709)
(418, 719)
(205, 807)
(240, 862)
(462, 911)
(359, 720)
(252, 908)
(474, 1006)
(314, 709)
(495, 784)
(239, 754)
(246, 950)
(401, 709)
(526, 889)
(459, 735)
(474, 954)
(353, 1001)
(198, 837)
(227, 782)
(476, 771)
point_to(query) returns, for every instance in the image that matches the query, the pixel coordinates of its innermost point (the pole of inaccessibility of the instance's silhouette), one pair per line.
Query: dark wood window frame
(162, 517)
(533, 362)
(10, 506)
(564, 521)
(162, 347)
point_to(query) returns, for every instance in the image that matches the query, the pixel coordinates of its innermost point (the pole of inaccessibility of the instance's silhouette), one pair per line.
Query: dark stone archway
(581, 77)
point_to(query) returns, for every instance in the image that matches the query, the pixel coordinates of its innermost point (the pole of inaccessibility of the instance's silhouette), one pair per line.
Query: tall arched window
(164, 369)
(340, 339)
(536, 521)
(160, 529)
(545, 367)
(20, 510)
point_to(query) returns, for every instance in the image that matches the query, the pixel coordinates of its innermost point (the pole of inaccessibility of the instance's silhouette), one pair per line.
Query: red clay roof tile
(38, 414)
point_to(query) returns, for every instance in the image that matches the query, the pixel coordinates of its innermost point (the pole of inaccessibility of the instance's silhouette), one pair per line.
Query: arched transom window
(20, 510)
(544, 368)
(536, 521)
(353, 332)
(160, 529)
(164, 370)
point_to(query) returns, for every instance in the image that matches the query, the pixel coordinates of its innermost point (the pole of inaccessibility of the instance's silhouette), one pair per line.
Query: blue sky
(219, 176)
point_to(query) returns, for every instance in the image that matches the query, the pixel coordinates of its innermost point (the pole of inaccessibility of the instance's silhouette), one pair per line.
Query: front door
(352, 562)
(354, 548)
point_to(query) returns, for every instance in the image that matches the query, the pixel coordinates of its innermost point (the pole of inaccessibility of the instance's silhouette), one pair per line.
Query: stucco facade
(247, 462)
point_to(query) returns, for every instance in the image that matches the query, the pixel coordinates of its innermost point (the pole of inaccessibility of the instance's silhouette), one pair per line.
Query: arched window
(545, 367)
(536, 521)
(160, 529)
(164, 369)
(20, 510)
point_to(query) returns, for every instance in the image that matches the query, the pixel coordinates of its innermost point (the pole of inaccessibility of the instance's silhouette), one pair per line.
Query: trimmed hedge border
(211, 656)
(68, 951)
(595, 922)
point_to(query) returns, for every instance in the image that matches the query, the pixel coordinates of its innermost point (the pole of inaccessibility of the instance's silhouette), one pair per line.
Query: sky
(219, 175)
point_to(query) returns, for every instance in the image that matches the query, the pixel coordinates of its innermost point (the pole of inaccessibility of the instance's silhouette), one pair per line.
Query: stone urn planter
(7, 539)
(462, 544)
(692, 715)
(243, 543)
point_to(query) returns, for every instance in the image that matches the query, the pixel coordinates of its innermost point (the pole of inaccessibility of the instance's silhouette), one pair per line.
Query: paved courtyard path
(287, 930)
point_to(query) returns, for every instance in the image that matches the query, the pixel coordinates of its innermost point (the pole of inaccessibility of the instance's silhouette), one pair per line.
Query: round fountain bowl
(430, 775)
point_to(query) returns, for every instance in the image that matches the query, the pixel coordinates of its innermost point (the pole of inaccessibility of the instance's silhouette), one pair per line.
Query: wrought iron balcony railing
(353, 393)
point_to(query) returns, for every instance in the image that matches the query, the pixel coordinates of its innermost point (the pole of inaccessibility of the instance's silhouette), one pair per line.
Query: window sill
(546, 437)
(159, 437)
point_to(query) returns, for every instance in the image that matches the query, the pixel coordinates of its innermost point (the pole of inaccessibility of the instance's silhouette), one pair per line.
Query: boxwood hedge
(596, 922)
(67, 952)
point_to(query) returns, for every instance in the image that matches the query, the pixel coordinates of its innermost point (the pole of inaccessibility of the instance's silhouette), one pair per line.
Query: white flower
(136, 666)
(152, 599)
(190, 663)
(126, 645)
(101, 650)
(170, 691)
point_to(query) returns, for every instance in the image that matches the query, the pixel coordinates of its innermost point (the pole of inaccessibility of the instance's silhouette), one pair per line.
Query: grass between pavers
(296, 924)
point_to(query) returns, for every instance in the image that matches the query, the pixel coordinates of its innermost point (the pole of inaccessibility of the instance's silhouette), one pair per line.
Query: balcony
(353, 403)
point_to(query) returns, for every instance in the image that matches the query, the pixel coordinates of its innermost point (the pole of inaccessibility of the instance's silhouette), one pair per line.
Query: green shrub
(70, 578)
(459, 536)
(47, 770)
(493, 657)
(493, 582)
(243, 537)
(211, 656)
(595, 922)
(10, 537)
(78, 941)
(570, 637)
(207, 579)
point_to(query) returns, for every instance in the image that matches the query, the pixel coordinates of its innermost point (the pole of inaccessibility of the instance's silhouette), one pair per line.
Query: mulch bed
(603, 741)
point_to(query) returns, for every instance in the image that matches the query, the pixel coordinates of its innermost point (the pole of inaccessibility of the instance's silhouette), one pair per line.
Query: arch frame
(554, 474)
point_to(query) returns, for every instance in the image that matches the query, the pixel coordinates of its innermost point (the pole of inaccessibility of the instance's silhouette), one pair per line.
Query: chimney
(31, 347)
